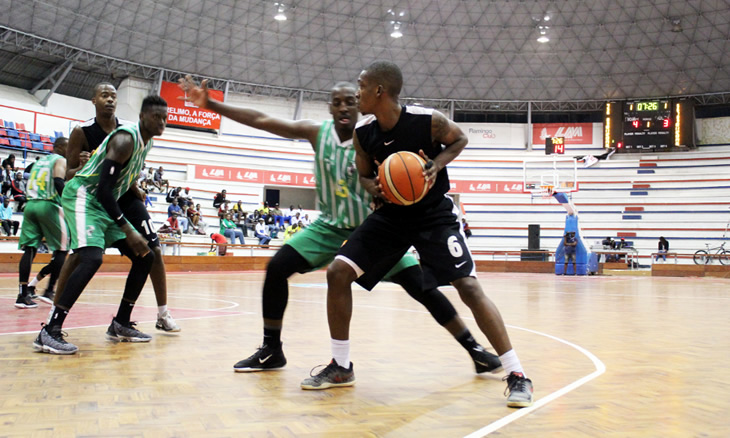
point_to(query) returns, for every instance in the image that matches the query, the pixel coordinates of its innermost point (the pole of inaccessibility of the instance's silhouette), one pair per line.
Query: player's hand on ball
(431, 169)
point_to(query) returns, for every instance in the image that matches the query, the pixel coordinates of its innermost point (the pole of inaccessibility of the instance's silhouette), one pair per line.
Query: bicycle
(705, 256)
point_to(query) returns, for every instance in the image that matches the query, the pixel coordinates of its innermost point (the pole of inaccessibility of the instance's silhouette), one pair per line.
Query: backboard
(544, 176)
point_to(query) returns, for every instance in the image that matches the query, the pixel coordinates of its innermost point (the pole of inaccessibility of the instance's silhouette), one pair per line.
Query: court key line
(600, 369)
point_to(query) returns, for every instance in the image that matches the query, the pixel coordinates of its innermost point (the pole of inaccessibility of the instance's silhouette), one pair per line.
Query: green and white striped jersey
(89, 174)
(40, 184)
(342, 201)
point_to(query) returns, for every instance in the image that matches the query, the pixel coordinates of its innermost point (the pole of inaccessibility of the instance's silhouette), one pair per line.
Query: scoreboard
(648, 125)
(658, 125)
(554, 145)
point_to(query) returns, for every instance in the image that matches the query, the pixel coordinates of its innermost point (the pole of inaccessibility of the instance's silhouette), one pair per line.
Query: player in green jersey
(43, 218)
(95, 221)
(344, 204)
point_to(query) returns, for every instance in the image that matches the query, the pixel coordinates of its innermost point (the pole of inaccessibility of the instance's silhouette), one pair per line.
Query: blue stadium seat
(37, 145)
(12, 132)
(35, 137)
(9, 125)
(15, 142)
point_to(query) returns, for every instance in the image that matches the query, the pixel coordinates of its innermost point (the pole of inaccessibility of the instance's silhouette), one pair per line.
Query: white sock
(161, 309)
(33, 282)
(511, 363)
(341, 352)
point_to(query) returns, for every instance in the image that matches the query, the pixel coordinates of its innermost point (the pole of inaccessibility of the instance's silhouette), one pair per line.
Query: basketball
(401, 178)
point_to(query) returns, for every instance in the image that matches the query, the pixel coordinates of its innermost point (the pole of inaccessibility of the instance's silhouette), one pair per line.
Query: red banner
(183, 113)
(268, 177)
(238, 174)
(574, 133)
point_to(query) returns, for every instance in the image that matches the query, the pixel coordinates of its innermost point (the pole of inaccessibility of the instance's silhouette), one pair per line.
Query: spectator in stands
(173, 194)
(292, 229)
(278, 217)
(663, 249)
(219, 241)
(230, 230)
(264, 211)
(569, 243)
(296, 218)
(219, 199)
(608, 243)
(305, 220)
(7, 179)
(150, 179)
(17, 191)
(11, 162)
(260, 232)
(187, 197)
(174, 208)
(194, 219)
(465, 225)
(171, 225)
(6, 217)
(201, 222)
(223, 209)
(239, 217)
(29, 169)
(159, 181)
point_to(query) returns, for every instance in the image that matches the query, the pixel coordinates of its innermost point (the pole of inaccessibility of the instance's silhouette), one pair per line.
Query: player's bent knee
(339, 272)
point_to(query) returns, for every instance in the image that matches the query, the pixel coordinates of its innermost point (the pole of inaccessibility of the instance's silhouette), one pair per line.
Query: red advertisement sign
(486, 186)
(574, 133)
(183, 113)
(258, 176)
(270, 177)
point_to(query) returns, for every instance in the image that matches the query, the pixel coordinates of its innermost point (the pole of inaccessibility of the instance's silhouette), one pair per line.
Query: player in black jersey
(83, 142)
(430, 225)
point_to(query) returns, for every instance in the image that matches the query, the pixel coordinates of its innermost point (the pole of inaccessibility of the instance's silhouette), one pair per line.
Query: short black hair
(57, 142)
(153, 100)
(388, 75)
(344, 84)
(101, 84)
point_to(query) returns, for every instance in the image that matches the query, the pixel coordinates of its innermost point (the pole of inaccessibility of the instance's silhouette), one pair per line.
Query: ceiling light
(396, 30)
(280, 16)
(677, 25)
(543, 39)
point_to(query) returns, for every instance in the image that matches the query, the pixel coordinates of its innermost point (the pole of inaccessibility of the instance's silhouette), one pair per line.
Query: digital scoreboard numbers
(648, 125)
(554, 145)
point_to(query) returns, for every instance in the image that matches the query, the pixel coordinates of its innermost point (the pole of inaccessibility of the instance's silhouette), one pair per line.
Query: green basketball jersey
(341, 199)
(89, 174)
(40, 184)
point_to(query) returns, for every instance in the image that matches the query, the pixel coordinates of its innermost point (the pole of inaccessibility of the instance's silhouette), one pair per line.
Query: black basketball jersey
(94, 134)
(411, 133)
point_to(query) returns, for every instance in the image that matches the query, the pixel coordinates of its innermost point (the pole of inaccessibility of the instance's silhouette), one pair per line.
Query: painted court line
(542, 401)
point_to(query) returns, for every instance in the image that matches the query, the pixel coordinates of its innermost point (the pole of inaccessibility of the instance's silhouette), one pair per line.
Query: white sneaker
(166, 323)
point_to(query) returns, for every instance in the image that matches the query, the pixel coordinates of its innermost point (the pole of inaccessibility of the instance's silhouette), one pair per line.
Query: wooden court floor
(609, 357)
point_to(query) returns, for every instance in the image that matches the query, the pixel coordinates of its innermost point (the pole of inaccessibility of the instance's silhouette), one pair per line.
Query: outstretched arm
(295, 129)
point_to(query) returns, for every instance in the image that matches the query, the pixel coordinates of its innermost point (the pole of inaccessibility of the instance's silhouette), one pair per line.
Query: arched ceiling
(450, 49)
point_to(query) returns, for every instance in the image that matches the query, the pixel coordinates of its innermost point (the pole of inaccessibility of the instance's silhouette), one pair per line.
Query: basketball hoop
(546, 191)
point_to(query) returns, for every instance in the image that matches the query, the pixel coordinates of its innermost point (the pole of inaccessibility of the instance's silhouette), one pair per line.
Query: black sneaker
(519, 390)
(31, 292)
(265, 358)
(47, 297)
(484, 361)
(125, 333)
(331, 376)
(51, 341)
(24, 302)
